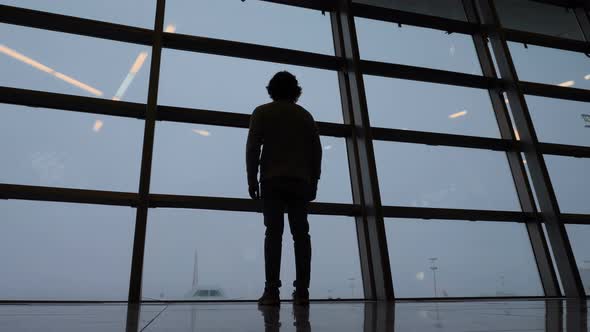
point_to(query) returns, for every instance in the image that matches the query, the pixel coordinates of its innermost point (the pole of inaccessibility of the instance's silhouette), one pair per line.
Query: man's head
(284, 86)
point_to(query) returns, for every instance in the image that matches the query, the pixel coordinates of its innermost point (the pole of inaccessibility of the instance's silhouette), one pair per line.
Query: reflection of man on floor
(290, 166)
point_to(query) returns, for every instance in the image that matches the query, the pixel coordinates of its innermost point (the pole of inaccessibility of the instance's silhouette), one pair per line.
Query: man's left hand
(254, 190)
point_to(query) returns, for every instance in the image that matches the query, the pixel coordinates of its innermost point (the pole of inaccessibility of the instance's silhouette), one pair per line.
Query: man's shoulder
(264, 107)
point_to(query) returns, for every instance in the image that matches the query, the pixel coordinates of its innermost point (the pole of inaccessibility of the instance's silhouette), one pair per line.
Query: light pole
(351, 286)
(433, 267)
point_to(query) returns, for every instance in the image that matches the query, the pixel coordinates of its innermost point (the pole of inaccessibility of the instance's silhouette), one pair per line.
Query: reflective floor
(468, 316)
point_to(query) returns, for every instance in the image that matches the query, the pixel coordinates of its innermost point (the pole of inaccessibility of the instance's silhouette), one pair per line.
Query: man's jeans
(290, 195)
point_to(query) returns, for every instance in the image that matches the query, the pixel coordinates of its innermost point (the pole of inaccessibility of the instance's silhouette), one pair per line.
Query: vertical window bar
(523, 188)
(370, 227)
(583, 20)
(562, 251)
(354, 166)
(146, 159)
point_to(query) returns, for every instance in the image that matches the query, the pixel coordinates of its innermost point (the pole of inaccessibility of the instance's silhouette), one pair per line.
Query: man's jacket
(290, 143)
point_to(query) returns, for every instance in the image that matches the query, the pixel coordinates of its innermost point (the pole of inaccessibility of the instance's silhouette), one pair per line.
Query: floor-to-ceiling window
(75, 99)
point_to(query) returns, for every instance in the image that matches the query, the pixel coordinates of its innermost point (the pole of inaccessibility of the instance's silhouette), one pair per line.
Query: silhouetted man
(290, 166)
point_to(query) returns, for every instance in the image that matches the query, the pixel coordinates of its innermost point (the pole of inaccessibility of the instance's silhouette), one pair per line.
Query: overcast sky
(70, 251)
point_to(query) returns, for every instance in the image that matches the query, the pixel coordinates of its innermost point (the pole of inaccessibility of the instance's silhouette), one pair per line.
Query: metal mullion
(560, 246)
(583, 21)
(527, 202)
(146, 159)
(58, 101)
(414, 19)
(325, 5)
(553, 91)
(578, 219)
(249, 51)
(365, 185)
(564, 150)
(362, 231)
(235, 120)
(456, 214)
(74, 25)
(542, 40)
(394, 70)
(241, 204)
(67, 195)
(440, 139)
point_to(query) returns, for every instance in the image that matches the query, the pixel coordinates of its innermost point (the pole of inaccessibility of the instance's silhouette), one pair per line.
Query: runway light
(171, 28)
(139, 61)
(202, 132)
(567, 84)
(587, 77)
(97, 126)
(458, 114)
(35, 64)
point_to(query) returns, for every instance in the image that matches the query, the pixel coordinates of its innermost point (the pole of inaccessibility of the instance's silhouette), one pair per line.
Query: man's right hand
(254, 190)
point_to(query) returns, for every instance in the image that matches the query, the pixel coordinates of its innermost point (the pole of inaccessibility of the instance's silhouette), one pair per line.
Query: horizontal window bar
(546, 41)
(168, 113)
(250, 51)
(565, 150)
(68, 195)
(455, 214)
(421, 20)
(422, 137)
(69, 24)
(71, 103)
(553, 91)
(564, 3)
(581, 219)
(324, 5)
(241, 204)
(136, 110)
(237, 120)
(427, 75)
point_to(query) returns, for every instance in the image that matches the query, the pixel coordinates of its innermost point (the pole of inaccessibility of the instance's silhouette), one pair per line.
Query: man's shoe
(270, 297)
(301, 297)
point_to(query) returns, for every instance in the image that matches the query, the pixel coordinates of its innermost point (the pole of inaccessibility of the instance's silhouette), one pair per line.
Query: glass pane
(560, 121)
(534, 16)
(64, 63)
(210, 248)
(237, 85)
(59, 251)
(444, 177)
(256, 22)
(466, 258)
(452, 9)
(571, 183)
(409, 45)
(551, 66)
(404, 104)
(129, 12)
(210, 161)
(579, 235)
(54, 148)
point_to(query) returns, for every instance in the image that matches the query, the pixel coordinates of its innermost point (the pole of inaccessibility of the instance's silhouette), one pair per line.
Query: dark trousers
(290, 195)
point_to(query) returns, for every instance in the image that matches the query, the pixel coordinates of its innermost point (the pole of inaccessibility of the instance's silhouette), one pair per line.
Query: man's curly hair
(284, 86)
